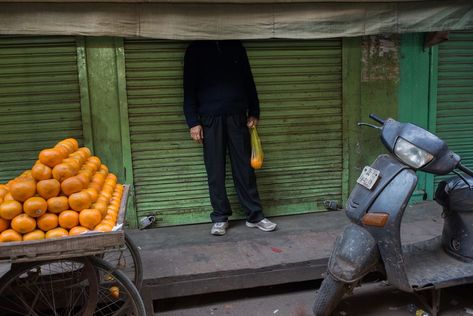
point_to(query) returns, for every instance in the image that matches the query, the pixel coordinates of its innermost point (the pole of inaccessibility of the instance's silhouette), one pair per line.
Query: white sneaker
(265, 225)
(219, 228)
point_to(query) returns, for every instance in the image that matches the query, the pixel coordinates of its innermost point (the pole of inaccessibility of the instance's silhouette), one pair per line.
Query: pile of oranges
(67, 192)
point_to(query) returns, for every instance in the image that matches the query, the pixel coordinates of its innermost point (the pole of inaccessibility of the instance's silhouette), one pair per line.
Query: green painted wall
(104, 99)
(371, 80)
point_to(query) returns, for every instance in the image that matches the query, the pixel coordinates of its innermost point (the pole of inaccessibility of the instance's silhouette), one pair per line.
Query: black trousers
(230, 132)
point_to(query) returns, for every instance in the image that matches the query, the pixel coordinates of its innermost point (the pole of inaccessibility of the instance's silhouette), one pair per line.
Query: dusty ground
(296, 300)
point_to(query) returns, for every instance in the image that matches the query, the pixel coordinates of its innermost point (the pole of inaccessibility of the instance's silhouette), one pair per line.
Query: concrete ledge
(187, 260)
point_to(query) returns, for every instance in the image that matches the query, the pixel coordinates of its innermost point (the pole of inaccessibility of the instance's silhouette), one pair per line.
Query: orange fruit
(101, 207)
(86, 152)
(3, 191)
(63, 150)
(103, 169)
(63, 171)
(41, 172)
(73, 142)
(50, 157)
(26, 174)
(115, 204)
(92, 165)
(48, 188)
(106, 194)
(47, 221)
(57, 233)
(102, 227)
(103, 200)
(71, 185)
(94, 185)
(89, 173)
(111, 217)
(4, 224)
(93, 193)
(23, 189)
(23, 223)
(98, 178)
(79, 201)
(112, 177)
(10, 209)
(88, 168)
(108, 222)
(79, 155)
(10, 235)
(8, 197)
(36, 234)
(58, 204)
(84, 178)
(35, 206)
(74, 163)
(68, 219)
(114, 292)
(65, 146)
(96, 161)
(77, 230)
(90, 218)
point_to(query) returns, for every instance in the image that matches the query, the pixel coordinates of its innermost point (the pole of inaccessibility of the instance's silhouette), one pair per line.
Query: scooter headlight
(411, 154)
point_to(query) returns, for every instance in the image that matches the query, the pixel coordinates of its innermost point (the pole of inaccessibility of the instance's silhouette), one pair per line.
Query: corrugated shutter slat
(455, 95)
(39, 98)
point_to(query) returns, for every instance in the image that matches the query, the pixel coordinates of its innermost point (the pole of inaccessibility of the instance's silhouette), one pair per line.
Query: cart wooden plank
(67, 247)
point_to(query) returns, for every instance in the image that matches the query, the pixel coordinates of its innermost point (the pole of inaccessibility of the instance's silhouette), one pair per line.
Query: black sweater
(218, 80)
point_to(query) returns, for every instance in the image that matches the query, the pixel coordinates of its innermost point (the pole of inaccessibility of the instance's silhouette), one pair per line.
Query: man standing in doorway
(220, 104)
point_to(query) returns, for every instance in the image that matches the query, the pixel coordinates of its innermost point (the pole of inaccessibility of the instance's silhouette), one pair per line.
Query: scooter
(372, 241)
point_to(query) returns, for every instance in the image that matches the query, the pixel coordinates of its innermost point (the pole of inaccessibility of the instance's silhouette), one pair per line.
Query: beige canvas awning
(237, 19)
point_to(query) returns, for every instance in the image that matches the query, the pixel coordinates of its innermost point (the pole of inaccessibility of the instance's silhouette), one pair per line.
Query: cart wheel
(128, 260)
(57, 287)
(117, 295)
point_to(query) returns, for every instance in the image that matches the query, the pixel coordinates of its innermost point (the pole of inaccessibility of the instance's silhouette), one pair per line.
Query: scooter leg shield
(355, 253)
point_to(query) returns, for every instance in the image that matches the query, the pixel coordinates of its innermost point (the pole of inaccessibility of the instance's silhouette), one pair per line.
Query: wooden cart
(75, 264)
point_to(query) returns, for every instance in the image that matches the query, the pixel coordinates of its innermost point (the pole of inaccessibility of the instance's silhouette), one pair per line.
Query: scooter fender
(354, 255)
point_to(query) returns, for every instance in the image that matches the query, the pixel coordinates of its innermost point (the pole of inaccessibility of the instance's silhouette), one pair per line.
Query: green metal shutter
(299, 86)
(455, 95)
(39, 98)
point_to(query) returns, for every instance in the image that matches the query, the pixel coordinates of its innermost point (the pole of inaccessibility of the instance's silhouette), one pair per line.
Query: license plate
(368, 177)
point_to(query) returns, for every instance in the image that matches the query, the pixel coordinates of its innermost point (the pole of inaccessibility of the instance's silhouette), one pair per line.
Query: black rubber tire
(329, 295)
(135, 253)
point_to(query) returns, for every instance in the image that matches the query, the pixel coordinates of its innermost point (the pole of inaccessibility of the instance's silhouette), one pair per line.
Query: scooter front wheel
(329, 295)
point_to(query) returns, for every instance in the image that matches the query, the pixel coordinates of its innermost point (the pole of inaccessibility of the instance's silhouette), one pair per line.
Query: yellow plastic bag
(257, 154)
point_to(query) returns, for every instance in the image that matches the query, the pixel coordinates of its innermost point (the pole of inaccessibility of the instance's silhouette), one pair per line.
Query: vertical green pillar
(414, 91)
(104, 101)
(351, 112)
(370, 81)
(379, 85)
(108, 108)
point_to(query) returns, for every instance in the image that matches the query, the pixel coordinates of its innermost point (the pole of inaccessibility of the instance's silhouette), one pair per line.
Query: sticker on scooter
(368, 177)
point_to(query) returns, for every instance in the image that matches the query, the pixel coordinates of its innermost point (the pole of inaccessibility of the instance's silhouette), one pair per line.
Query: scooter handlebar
(465, 169)
(376, 118)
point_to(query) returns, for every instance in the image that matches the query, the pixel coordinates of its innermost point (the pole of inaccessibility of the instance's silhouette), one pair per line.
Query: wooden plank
(87, 244)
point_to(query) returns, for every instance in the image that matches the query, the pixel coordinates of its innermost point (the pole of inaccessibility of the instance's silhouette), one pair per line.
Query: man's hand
(197, 133)
(252, 122)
